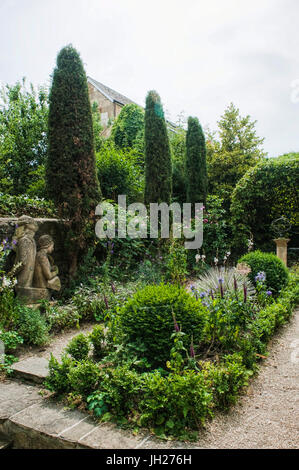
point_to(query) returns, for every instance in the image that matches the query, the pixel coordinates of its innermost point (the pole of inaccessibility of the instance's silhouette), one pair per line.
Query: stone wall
(54, 227)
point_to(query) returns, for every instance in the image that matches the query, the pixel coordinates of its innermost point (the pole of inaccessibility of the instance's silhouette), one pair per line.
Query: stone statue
(25, 250)
(45, 273)
(35, 272)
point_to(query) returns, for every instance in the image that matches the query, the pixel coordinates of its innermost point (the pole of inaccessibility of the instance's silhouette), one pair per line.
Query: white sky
(198, 54)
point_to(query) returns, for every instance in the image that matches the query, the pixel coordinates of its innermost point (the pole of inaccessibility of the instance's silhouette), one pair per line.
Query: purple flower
(260, 277)
(202, 295)
(220, 280)
(235, 284)
(113, 288)
(269, 292)
(245, 292)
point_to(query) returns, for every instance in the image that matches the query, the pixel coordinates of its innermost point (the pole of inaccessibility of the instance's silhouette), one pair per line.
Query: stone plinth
(32, 295)
(282, 249)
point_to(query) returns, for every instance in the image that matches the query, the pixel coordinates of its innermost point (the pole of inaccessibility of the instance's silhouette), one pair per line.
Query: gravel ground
(57, 344)
(267, 417)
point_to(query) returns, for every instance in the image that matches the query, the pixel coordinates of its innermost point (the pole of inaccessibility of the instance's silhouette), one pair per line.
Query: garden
(177, 334)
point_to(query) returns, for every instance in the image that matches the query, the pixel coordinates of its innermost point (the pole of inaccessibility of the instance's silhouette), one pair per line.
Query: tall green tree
(230, 155)
(158, 171)
(196, 165)
(23, 137)
(71, 170)
(128, 127)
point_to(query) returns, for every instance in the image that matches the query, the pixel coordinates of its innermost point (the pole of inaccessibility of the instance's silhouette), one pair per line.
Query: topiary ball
(146, 320)
(277, 274)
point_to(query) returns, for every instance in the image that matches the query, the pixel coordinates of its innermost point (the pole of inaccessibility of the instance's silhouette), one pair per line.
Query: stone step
(33, 422)
(33, 369)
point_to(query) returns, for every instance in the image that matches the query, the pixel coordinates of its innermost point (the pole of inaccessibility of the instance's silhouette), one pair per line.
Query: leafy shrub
(97, 338)
(57, 379)
(226, 379)
(15, 206)
(176, 263)
(83, 377)
(119, 389)
(146, 320)
(11, 340)
(78, 347)
(119, 173)
(172, 403)
(276, 272)
(32, 326)
(60, 318)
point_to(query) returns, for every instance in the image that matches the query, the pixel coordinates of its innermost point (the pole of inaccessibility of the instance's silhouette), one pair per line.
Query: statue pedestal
(282, 249)
(32, 295)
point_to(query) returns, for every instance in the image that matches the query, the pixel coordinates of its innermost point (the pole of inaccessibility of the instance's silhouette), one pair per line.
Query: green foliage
(237, 150)
(119, 389)
(254, 208)
(70, 170)
(61, 317)
(31, 325)
(97, 339)
(57, 379)
(97, 127)
(173, 403)
(119, 173)
(83, 377)
(128, 126)
(176, 262)
(15, 206)
(158, 171)
(196, 166)
(11, 340)
(78, 347)
(177, 141)
(226, 379)
(146, 320)
(273, 267)
(215, 230)
(23, 138)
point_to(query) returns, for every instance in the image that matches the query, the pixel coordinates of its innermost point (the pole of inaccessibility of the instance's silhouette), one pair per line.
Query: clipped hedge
(265, 193)
(146, 320)
(276, 273)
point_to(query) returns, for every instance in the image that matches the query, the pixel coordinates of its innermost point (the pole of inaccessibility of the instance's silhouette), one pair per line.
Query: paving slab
(33, 368)
(15, 397)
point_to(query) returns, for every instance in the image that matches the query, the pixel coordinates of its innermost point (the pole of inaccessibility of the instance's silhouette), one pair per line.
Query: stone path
(266, 417)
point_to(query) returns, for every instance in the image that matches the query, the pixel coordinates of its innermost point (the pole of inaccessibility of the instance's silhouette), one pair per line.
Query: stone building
(109, 101)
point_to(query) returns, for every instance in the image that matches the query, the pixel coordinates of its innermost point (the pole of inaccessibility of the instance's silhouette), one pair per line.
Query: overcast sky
(198, 54)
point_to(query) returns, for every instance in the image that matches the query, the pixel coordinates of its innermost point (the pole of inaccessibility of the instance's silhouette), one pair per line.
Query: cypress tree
(71, 177)
(196, 164)
(158, 177)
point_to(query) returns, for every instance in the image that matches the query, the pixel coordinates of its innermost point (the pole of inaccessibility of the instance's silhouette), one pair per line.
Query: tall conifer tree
(158, 177)
(196, 165)
(70, 170)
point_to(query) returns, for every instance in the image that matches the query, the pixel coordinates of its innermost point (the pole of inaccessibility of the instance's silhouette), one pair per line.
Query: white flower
(228, 253)
(215, 260)
(197, 258)
(203, 257)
